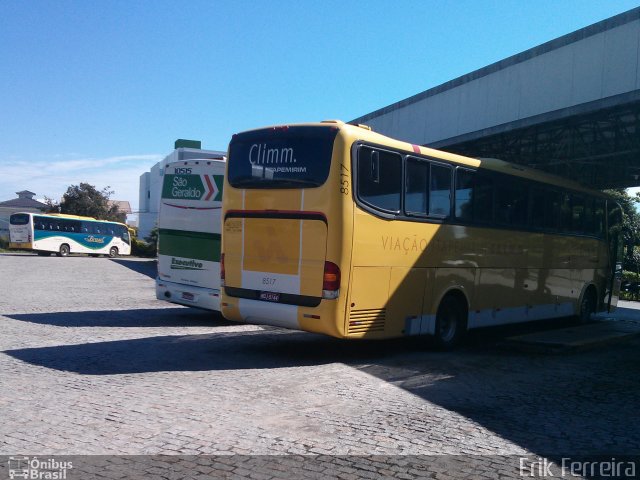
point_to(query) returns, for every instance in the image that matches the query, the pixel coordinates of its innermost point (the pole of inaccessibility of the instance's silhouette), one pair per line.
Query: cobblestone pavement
(92, 364)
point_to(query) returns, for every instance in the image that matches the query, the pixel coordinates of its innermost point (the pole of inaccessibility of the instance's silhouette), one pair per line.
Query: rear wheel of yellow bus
(451, 322)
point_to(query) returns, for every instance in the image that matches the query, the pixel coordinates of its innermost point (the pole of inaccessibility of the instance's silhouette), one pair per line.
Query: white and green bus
(64, 234)
(189, 227)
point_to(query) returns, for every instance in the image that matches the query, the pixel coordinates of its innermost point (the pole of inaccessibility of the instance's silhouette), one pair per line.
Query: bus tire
(113, 252)
(451, 322)
(64, 250)
(587, 306)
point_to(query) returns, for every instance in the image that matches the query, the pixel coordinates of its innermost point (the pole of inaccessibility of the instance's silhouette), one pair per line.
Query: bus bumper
(199, 297)
(320, 319)
(21, 245)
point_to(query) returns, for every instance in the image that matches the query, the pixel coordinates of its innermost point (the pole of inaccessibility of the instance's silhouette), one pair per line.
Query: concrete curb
(574, 339)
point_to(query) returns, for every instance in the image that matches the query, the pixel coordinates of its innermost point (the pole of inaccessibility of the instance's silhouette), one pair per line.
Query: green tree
(630, 226)
(152, 238)
(51, 205)
(85, 199)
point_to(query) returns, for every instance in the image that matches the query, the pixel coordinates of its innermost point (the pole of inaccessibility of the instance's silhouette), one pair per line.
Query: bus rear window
(19, 219)
(281, 157)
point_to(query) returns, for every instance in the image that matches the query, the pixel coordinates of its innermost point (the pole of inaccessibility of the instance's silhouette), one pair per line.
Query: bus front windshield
(282, 157)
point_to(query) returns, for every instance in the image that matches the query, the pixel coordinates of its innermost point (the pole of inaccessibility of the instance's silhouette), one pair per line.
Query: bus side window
(440, 191)
(589, 217)
(511, 202)
(566, 218)
(464, 182)
(538, 208)
(380, 179)
(599, 217)
(503, 203)
(553, 210)
(577, 214)
(482, 195)
(415, 197)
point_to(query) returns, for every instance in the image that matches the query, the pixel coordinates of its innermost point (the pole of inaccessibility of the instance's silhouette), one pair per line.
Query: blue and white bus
(64, 234)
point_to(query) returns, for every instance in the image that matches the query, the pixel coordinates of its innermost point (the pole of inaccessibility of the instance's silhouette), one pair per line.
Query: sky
(98, 91)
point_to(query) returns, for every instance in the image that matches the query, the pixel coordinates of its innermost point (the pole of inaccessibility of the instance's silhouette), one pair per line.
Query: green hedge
(630, 277)
(140, 248)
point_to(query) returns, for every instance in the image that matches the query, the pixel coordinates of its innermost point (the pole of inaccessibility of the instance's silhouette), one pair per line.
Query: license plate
(270, 296)
(187, 296)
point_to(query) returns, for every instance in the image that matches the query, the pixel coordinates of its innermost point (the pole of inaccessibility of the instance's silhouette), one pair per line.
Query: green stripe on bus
(198, 245)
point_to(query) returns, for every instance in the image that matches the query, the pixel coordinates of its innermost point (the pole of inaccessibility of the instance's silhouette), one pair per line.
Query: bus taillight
(331, 281)
(222, 269)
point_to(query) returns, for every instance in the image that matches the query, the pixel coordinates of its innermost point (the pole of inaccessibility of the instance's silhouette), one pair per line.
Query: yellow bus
(333, 228)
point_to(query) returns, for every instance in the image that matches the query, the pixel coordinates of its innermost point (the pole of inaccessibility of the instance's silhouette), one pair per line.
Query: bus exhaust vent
(366, 321)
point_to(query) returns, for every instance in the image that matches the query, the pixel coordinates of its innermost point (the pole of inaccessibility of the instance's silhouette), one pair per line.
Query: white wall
(6, 212)
(542, 80)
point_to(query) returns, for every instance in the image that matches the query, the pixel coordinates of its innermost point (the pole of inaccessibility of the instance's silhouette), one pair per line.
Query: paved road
(92, 363)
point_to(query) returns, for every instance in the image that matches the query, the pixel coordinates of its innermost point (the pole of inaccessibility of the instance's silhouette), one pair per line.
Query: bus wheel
(587, 306)
(113, 252)
(451, 323)
(64, 250)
